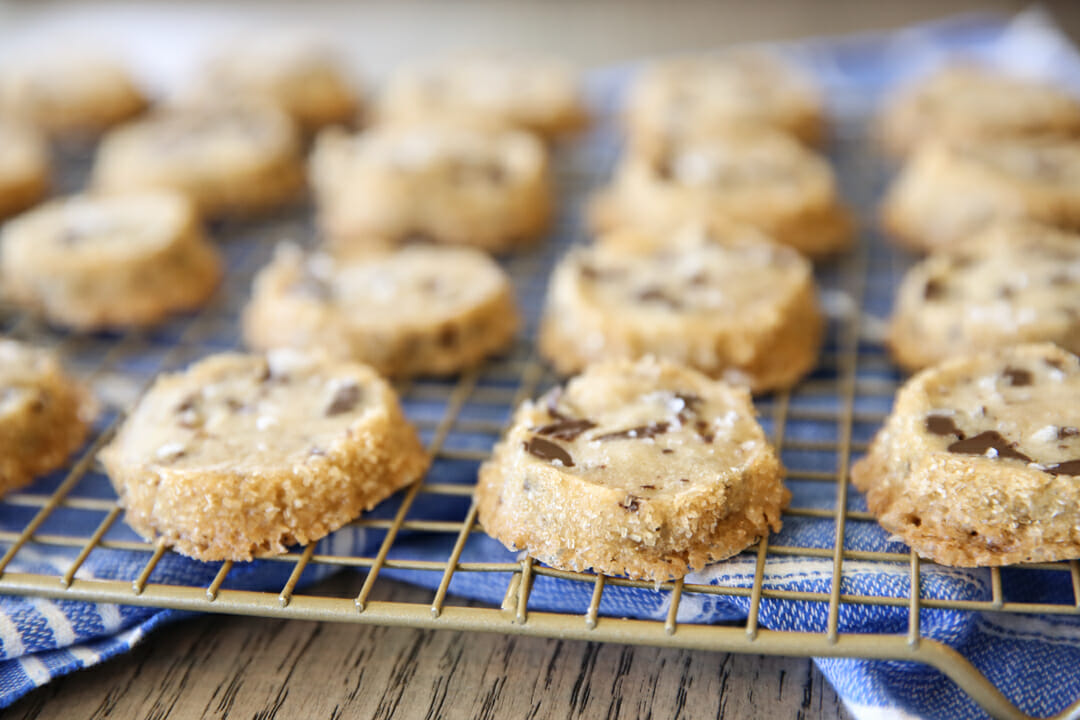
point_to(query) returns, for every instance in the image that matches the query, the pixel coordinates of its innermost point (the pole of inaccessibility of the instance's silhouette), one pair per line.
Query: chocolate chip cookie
(733, 306)
(978, 462)
(696, 95)
(90, 262)
(419, 310)
(1015, 282)
(645, 469)
(44, 414)
(233, 159)
(242, 456)
(758, 177)
(24, 166)
(487, 90)
(456, 185)
(972, 102)
(949, 190)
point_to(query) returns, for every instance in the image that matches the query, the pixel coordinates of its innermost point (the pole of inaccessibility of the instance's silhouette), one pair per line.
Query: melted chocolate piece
(1017, 376)
(345, 399)
(1069, 467)
(1067, 431)
(943, 425)
(935, 289)
(648, 487)
(547, 450)
(654, 294)
(637, 433)
(566, 428)
(667, 451)
(702, 428)
(979, 444)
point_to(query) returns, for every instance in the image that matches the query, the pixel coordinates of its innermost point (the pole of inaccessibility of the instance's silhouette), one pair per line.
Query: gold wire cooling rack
(850, 392)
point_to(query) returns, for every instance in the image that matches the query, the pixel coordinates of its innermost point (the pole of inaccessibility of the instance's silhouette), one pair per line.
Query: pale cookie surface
(950, 190)
(230, 160)
(487, 90)
(980, 460)
(733, 306)
(44, 414)
(644, 469)
(69, 92)
(419, 310)
(242, 455)
(705, 94)
(95, 262)
(24, 167)
(298, 74)
(1015, 282)
(753, 176)
(969, 102)
(456, 185)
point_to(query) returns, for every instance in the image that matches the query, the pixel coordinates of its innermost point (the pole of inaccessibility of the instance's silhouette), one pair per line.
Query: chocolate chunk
(690, 405)
(345, 399)
(1054, 363)
(547, 450)
(553, 397)
(630, 503)
(566, 428)
(935, 289)
(979, 444)
(1017, 376)
(655, 294)
(943, 425)
(648, 487)
(188, 403)
(637, 433)
(667, 451)
(703, 432)
(447, 336)
(1070, 467)
(1067, 431)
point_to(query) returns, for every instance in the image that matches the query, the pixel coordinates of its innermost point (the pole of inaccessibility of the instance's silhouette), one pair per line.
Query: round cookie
(242, 456)
(44, 414)
(645, 469)
(978, 463)
(69, 92)
(700, 95)
(230, 160)
(949, 190)
(733, 306)
(417, 311)
(757, 177)
(971, 102)
(1012, 283)
(90, 262)
(24, 167)
(488, 189)
(299, 75)
(488, 90)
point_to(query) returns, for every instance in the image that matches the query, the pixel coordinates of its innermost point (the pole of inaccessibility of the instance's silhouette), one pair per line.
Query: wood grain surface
(232, 667)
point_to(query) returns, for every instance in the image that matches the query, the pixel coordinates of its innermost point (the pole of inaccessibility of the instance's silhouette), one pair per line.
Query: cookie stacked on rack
(976, 464)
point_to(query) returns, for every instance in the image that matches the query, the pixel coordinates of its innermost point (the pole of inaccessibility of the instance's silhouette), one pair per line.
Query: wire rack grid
(840, 406)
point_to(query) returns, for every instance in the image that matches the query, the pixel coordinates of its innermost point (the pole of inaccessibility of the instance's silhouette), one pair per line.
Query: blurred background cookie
(24, 166)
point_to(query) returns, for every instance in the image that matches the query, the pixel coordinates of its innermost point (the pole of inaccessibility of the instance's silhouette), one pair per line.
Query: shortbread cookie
(242, 456)
(979, 461)
(299, 75)
(970, 102)
(645, 469)
(753, 176)
(1015, 282)
(234, 159)
(94, 262)
(488, 90)
(419, 310)
(950, 190)
(489, 189)
(691, 96)
(733, 307)
(69, 92)
(44, 414)
(24, 167)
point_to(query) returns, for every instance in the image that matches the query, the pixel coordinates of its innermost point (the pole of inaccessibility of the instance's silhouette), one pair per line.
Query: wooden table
(221, 666)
